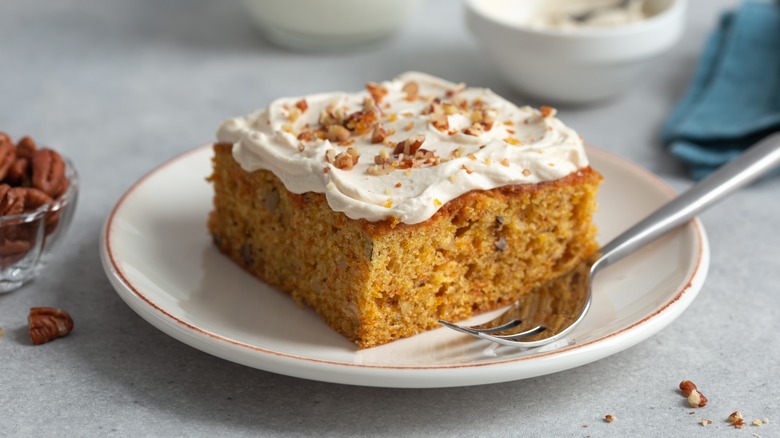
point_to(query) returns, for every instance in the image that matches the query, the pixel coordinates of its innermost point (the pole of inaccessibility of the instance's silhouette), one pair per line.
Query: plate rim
(164, 320)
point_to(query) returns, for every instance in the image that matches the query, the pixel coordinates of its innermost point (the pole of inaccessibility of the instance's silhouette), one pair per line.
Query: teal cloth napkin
(734, 99)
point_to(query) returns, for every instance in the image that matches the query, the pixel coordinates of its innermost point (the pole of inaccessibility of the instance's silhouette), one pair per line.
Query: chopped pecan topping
(412, 91)
(461, 103)
(456, 89)
(362, 122)
(347, 160)
(410, 145)
(449, 108)
(475, 129)
(332, 115)
(337, 133)
(383, 157)
(377, 170)
(306, 136)
(440, 121)
(330, 155)
(302, 105)
(376, 91)
(547, 111)
(488, 118)
(379, 135)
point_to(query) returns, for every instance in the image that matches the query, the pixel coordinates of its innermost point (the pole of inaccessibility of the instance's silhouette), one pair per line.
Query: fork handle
(749, 166)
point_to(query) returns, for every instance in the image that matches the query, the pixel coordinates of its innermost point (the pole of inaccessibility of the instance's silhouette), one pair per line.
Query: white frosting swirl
(522, 146)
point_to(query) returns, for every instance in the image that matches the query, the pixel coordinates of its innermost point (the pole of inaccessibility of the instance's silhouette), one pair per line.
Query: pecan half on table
(48, 323)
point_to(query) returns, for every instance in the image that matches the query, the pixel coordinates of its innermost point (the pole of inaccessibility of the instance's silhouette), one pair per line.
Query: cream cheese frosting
(403, 148)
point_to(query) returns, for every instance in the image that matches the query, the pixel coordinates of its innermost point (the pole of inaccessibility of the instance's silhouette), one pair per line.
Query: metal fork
(553, 310)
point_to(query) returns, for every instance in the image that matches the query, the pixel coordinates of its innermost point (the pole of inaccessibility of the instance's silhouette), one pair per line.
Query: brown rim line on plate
(366, 367)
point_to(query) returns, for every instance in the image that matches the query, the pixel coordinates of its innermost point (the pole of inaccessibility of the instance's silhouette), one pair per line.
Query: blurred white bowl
(328, 24)
(579, 65)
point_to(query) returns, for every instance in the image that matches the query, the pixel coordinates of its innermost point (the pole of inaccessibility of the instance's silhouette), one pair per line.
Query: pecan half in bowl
(38, 192)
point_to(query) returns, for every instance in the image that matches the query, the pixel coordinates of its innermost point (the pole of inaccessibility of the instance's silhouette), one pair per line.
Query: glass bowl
(28, 239)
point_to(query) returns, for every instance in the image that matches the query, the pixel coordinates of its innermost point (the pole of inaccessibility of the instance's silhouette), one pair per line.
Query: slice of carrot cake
(414, 200)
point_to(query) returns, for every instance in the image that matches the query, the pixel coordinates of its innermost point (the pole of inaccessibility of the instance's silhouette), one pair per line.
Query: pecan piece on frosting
(379, 135)
(412, 91)
(337, 133)
(48, 173)
(347, 160)
(302, 105)
(409, 146)
(376, 91)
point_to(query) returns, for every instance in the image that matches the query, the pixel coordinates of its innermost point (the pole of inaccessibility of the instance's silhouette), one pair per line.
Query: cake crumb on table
(705, 422)
(609, 418)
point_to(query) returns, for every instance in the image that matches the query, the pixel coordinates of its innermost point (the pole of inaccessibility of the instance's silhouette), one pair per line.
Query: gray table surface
(122, 86)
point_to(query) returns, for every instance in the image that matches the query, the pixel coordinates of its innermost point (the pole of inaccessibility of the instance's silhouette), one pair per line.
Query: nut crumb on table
(695, 398)
(609, 418)
(736, 420)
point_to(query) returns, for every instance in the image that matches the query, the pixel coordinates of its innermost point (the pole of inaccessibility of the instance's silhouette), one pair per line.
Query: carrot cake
(411, 201)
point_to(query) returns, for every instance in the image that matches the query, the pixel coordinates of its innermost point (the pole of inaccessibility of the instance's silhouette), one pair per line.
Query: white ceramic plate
(158, 255)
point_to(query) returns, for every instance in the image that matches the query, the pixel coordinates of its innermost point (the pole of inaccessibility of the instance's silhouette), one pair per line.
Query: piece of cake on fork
(411, 201)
